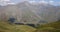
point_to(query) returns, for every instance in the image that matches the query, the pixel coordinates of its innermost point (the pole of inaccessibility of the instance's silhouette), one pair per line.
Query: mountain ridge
(46, 12)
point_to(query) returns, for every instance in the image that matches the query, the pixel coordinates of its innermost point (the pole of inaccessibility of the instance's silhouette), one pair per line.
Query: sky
(13, 2)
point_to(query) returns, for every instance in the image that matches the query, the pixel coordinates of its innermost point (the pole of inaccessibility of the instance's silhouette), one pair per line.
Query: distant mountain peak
(39, 11)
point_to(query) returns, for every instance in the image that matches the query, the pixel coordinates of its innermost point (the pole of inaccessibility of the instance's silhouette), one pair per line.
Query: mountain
(28, 13)
(46, 11)
(21, 12)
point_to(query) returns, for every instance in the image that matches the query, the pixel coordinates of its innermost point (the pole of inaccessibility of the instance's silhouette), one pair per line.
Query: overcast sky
(13, 2)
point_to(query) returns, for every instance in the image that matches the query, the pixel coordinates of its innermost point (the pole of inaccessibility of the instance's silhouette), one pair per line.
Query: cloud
(6, 2)
(40, 2)
(43, 2)
(3, 3)
(31, 1)
(51, 2)
(11, 3)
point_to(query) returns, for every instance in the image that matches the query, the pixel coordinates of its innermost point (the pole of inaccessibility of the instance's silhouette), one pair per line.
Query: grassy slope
(5, 27)
(51, 27)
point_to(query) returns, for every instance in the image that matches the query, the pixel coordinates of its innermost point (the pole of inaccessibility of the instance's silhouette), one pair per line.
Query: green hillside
(5, 27)
(51, 27)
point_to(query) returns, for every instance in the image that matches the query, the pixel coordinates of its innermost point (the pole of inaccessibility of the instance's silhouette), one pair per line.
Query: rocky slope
(26, 12)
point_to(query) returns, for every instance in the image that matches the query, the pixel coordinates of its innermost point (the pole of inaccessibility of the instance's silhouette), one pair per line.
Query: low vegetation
(51, 27)
(5, 27)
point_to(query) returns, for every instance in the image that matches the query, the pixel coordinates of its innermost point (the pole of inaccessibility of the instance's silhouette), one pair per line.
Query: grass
(5, 27)
(51, 27)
